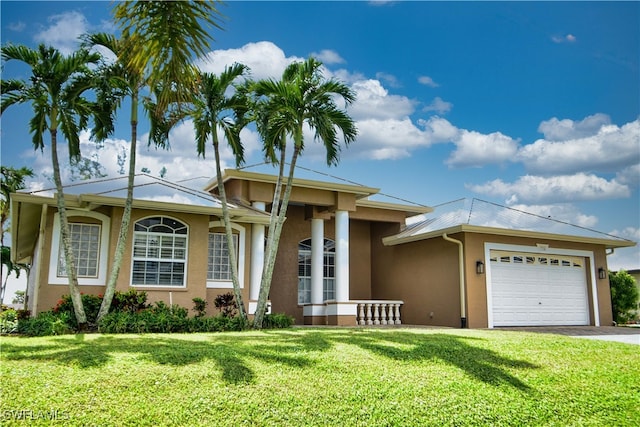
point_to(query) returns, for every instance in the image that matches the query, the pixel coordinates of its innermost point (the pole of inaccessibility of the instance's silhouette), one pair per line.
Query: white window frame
(240, 257)
(57, 251)
(326, 280)
(185, 261)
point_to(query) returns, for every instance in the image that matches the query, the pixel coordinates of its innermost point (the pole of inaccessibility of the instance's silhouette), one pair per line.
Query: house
(343, 259)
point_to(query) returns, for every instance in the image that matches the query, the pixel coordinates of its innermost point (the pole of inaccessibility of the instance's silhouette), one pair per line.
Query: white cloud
(265, 59)
(564, 212)
(625, 258)
(374, 102)
(439, 106)
(63, 31)
(17, 26)
(564, 188)
(390, 79)
(569, 38)
(630, 175)
(590, 145)
(474, 149)
(328, 56)
(566, 129)
(427, 81)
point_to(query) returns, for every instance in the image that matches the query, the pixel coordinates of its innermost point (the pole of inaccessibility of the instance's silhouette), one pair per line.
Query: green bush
(91, 305)
(46, 323)
(277, 321)
(227, 304)
(624, 296)
(130, 301)
(8, 321)
(199, 306)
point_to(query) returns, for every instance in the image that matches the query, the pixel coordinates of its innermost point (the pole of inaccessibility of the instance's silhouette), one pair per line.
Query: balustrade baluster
(383, 314)
(376, 314)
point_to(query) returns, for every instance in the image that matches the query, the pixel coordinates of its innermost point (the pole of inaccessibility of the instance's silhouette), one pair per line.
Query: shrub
(8, 321)
(278, 321)
(227, 305)
(199, 306)
(624, 295)
(23, 314)
(91, 305)
(130, 301)
(45, 323)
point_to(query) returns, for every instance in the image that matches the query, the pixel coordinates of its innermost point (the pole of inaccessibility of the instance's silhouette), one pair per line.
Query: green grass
(306, 377)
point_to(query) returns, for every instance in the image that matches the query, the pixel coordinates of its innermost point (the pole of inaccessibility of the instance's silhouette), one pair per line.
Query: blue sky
(533, 105)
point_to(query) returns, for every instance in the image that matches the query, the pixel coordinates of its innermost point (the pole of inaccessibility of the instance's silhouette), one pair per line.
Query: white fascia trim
(541, 249)
(105, 227)
(228, 284)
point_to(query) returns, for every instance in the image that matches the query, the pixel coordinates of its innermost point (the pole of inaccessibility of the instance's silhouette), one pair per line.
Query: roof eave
(409, 210)
(465, 228)
(229, 174)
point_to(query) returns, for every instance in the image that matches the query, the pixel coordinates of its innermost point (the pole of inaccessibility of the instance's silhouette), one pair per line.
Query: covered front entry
(537, 289)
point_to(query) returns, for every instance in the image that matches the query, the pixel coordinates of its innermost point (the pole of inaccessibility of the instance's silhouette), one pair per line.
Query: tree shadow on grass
(230, 352)
(482, 364)
(294, 349)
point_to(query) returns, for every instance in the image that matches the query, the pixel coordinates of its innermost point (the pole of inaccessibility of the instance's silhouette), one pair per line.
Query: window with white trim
(219, 263)
(89, 235)
(304, 271)
(159, 252)
(85, 243)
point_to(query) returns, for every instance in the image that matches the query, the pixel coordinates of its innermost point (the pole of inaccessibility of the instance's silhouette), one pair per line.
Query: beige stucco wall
(49, 294)
(425, 275)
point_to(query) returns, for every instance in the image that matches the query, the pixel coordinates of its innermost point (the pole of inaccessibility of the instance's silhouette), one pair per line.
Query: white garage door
(535, 290)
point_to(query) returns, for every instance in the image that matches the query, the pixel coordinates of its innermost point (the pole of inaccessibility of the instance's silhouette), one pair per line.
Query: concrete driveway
(604, 333)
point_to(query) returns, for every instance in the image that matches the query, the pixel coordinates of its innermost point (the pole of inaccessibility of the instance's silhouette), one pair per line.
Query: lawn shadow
(483, 364)
(294, 349)
(230, 352)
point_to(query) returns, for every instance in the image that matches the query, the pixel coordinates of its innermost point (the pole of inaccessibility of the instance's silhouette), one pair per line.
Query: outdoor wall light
(479, 267)
(602, 273)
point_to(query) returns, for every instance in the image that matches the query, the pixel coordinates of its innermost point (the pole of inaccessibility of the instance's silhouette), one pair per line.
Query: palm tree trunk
(227, 230)
(278, 217)
(110, 290)
(72, 273)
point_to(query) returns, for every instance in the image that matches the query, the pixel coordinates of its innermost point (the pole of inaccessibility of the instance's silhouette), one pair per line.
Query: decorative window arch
(90, 243)
(159, 252)
(328, 271)
(218, 267)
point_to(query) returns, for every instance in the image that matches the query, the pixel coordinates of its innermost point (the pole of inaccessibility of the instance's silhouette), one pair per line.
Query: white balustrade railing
(378, 312)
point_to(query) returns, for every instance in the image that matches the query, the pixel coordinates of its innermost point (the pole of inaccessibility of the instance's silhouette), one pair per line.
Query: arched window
(159, 252)
(304, 271)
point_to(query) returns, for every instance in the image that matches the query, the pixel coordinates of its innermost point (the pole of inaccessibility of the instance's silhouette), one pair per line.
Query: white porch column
(342, 256)
(257, 255)
(317, 260)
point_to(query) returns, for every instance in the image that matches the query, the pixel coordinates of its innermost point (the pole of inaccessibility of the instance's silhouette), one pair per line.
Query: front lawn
(332, 376)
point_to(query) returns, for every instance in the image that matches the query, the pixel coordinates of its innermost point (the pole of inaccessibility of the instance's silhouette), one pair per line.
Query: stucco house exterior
(343, 259)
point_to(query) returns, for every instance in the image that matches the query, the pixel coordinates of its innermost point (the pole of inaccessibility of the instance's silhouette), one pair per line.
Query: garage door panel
(530, 290)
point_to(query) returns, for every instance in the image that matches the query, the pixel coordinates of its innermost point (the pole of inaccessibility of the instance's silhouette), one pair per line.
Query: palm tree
(158, 42)
(55, 91)
(116, 81)
(214, 110)
(162, 38)
(302, 96)
(11, 180)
